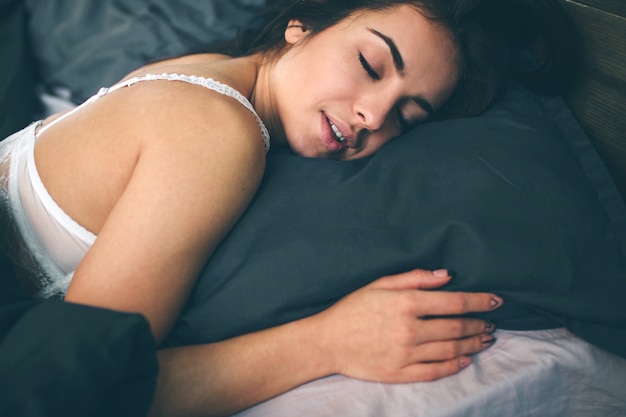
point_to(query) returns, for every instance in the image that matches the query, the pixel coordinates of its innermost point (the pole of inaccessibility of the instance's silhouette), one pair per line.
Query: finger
(442, 303)
(449, 329)
(415, 279)
(431, 361)
(425, 372)
(451, 349)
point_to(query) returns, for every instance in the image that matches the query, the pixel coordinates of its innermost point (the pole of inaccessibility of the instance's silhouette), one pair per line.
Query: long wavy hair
(491, 36)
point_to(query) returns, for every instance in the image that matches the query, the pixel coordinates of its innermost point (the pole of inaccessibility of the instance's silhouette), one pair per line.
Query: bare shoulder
(194, 117)
(199, 107)
(198, 137)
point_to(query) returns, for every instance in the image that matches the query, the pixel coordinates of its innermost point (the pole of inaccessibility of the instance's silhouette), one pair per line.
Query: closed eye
(411, 111)
(404, 124)
(368, 68)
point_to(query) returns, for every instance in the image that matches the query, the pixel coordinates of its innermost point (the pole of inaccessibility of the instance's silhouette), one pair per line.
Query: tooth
(337, 133)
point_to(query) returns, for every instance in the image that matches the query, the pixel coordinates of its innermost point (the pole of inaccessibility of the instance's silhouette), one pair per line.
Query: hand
(394, 329)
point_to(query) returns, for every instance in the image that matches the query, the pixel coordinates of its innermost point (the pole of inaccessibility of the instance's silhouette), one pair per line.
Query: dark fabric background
(17, 98)
(17, 71)
(99, 42)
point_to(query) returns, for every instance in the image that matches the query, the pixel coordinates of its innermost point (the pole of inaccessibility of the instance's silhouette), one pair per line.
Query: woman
(160, 167)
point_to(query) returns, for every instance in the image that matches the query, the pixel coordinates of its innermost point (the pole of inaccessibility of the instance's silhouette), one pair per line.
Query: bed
(525, 200)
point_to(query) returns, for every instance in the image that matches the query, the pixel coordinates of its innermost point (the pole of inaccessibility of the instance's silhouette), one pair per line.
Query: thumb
(416, 279)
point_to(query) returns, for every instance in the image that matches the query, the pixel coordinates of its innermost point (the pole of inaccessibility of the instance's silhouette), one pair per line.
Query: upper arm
(195, 174)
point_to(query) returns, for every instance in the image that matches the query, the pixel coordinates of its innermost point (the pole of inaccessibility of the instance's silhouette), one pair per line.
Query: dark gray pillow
(499, 199)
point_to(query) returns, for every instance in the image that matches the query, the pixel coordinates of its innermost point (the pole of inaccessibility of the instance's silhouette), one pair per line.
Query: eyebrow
(395, 52)
(398, 62)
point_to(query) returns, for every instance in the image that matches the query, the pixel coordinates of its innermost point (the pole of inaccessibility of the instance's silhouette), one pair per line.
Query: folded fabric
(62, 359)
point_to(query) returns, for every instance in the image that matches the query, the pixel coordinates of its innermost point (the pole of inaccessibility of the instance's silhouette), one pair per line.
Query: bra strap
(209, 83)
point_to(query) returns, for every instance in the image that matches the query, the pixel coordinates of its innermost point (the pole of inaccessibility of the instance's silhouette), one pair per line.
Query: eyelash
(404, 125)
(368, 68)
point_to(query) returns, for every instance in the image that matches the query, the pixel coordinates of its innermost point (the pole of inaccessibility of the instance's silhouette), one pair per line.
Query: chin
(301, 149)
(308, 154)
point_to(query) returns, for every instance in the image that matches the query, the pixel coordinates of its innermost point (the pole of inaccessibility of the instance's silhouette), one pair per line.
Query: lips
(334, 137)
(338, 135)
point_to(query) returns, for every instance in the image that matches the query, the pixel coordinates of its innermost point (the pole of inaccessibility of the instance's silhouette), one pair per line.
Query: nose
(373, 110)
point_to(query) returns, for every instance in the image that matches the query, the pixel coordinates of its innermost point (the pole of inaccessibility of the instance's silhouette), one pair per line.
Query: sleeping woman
(120, 202)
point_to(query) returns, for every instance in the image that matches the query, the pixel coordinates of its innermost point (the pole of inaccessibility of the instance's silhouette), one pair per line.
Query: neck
(263, 102)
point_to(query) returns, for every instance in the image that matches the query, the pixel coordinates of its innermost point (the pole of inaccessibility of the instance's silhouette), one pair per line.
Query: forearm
(222, 378)
(376, 333)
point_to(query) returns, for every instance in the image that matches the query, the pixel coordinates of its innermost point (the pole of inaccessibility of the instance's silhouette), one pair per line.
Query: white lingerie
(52, 243)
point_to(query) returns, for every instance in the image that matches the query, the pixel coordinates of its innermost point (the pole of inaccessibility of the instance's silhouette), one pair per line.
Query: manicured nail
(496, 302)
(465, 362)
(440, 273)
(490, 327)
(487, 340)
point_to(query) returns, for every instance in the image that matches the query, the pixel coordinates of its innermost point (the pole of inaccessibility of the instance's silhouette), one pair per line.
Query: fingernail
(490, 327)
(464, 362)
(496, 302)
(487, 340)
(440, 273)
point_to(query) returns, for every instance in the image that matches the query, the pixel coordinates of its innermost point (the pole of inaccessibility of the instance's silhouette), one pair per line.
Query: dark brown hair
(532, 39)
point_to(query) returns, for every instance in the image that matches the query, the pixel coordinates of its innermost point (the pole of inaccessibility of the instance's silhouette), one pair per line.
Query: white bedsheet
(526, 373)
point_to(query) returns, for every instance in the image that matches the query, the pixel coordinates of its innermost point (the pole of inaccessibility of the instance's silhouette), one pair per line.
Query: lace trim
(209, 83)
(38, 274)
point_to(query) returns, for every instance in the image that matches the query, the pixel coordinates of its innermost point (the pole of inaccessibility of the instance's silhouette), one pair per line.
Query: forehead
(406, 23)
(427, 48)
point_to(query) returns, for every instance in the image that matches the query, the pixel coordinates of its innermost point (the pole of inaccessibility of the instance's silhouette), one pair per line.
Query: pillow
(17, 75)
(500, 200)
(85, 45)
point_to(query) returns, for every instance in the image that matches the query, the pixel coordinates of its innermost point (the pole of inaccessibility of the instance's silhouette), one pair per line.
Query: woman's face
(346, 91)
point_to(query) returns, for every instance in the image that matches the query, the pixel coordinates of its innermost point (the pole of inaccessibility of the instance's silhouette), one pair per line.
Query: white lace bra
(55, 242)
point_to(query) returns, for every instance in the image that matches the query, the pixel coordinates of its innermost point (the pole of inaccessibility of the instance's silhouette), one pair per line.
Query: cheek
(388, 133)
(376, 141)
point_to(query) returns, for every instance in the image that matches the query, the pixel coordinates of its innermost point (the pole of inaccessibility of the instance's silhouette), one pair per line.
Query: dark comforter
(61, 359)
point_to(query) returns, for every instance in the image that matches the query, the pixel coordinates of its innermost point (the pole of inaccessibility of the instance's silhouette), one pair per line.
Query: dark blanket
(62, 359)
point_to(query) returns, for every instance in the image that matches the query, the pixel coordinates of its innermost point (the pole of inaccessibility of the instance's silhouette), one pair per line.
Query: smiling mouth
(337, 133)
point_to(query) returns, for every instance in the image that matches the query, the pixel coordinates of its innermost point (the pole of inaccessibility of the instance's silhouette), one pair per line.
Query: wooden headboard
(599, 97)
